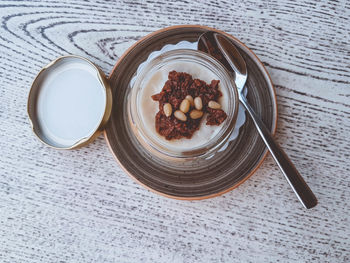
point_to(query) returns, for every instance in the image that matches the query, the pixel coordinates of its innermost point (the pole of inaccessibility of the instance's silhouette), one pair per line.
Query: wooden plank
(79, 206)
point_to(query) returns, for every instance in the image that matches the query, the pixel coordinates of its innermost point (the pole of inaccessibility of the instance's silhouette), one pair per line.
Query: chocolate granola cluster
(182, 104)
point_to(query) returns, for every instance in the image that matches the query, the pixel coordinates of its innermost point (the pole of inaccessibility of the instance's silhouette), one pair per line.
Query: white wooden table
(79, 206)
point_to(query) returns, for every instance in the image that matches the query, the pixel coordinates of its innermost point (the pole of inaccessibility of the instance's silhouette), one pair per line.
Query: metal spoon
(222, 48)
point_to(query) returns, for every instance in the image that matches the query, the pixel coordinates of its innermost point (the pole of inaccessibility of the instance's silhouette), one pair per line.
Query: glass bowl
(141, 108)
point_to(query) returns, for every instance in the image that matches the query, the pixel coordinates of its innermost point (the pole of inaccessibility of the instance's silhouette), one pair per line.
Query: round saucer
(197, 179)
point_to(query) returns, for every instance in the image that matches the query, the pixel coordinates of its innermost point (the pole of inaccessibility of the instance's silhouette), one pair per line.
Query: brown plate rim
(273, 128)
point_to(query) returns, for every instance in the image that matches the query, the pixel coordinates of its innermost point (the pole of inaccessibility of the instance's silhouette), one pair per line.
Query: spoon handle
(299, 186)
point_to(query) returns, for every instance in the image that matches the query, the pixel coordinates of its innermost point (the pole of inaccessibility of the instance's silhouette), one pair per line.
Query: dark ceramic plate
(196, 179)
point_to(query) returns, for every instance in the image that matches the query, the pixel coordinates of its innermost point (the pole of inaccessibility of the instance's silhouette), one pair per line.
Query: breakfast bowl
(142, 109)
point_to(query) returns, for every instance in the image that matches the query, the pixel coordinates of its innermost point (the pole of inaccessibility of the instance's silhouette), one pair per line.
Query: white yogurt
(71, 103)
(149, 107)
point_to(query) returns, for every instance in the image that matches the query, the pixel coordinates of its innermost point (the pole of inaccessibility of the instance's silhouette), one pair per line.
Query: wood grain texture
(79, 206)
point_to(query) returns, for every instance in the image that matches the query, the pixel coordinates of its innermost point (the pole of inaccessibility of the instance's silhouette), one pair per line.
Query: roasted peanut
(167, 109)
(196, 114)
(180, 115)
(185, 106)
(198, 103)
(190, 99)
(214, 105)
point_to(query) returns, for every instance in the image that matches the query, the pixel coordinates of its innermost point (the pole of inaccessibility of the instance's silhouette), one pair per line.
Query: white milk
(149, 107)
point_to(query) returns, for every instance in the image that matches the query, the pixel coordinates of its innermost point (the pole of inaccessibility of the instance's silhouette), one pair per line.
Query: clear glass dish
(200, 65)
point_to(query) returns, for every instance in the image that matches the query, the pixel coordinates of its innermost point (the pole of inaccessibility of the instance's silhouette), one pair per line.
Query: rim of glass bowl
(189, 55)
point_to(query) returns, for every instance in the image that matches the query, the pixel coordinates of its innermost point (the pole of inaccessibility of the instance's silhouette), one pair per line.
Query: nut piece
(167, 109)
(198, 103)
(190, 99)
(180, 115)
(196, 114)
(214, 105)
(185, 106)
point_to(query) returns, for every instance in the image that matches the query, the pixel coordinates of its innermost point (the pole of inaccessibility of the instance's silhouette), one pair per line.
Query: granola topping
(182, 104)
